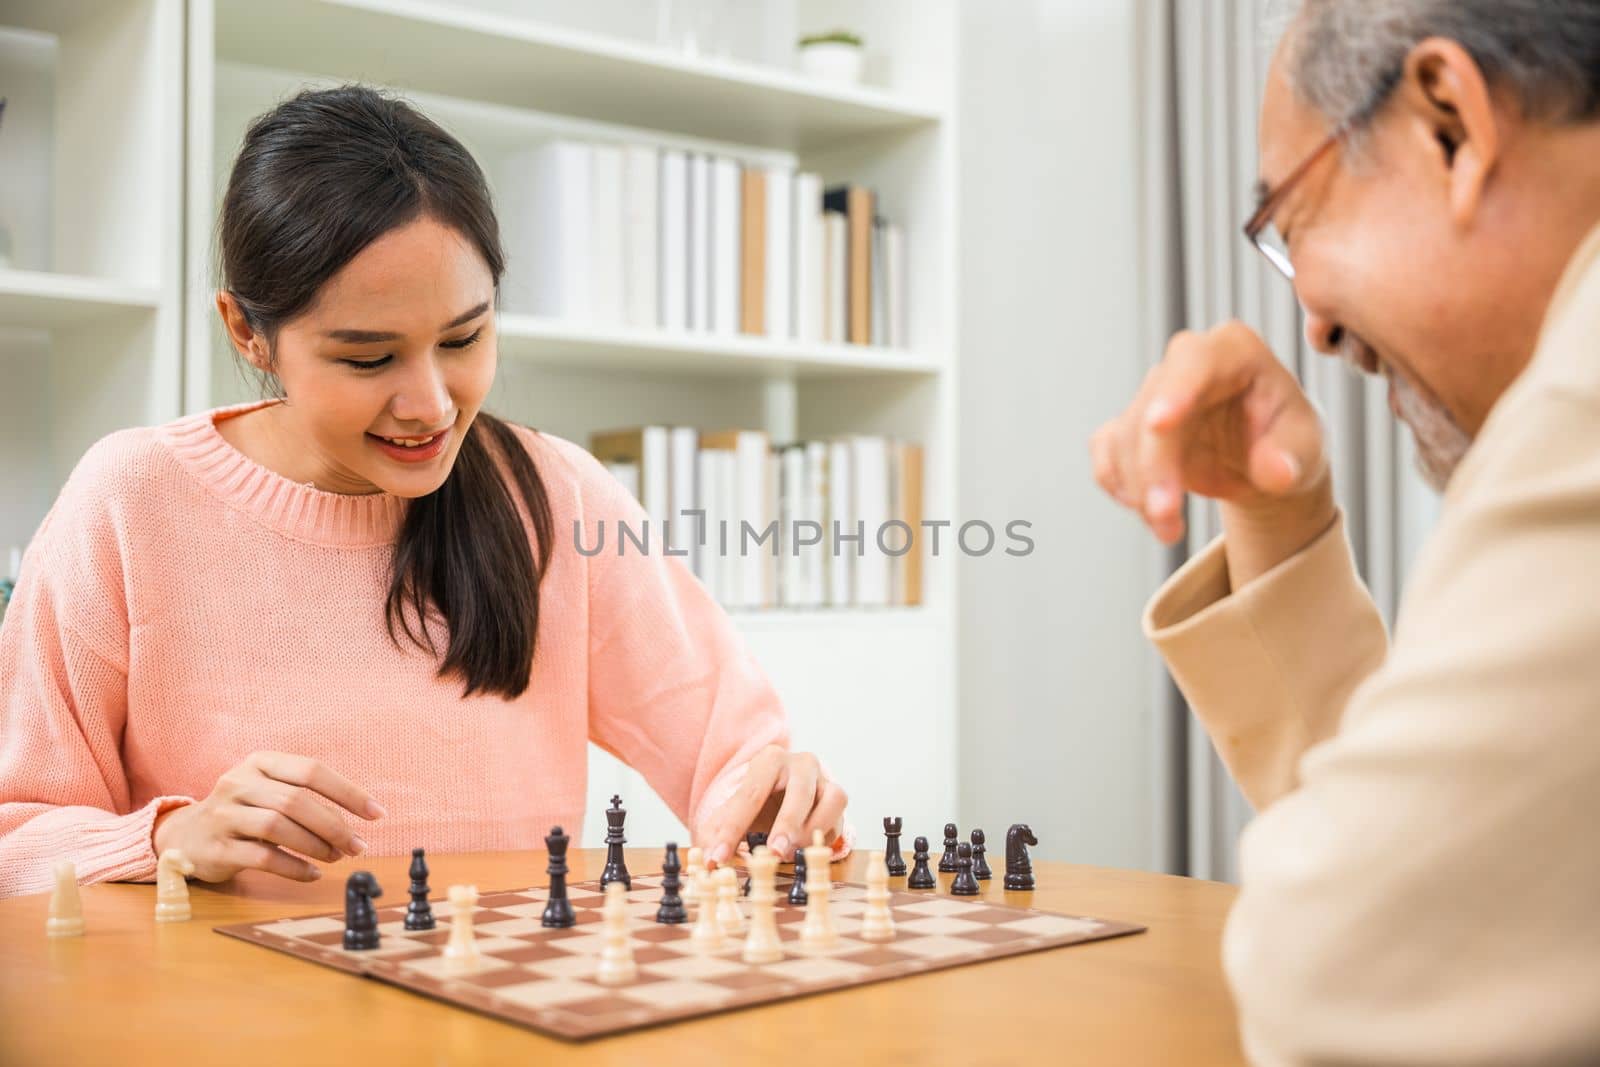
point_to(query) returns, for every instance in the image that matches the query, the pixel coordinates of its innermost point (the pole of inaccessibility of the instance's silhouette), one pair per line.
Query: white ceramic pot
(832, 61)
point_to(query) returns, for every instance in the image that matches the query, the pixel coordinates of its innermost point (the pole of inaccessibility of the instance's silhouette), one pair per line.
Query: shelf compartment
(521, 63)
(571, 344)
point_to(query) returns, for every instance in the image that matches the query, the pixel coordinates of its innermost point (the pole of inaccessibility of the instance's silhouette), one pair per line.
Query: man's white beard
(1441, 443)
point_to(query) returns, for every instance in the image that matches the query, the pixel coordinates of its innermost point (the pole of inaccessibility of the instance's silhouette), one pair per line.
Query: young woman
(353, 618)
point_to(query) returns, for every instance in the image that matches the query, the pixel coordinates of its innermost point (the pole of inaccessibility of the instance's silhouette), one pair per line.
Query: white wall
(1054, 671)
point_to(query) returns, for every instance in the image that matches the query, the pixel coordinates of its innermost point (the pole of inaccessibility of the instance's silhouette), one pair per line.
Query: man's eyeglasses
(1260, 231)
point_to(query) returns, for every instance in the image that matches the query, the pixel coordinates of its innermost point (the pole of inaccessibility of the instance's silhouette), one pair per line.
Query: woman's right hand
(266, 804)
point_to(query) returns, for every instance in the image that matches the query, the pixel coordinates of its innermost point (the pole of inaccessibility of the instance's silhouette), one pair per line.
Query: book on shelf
(641, 257)
(606, 262)
(753, 251)
(858, 206)
(809, 524)
(672, 240)
(835, 278)
(808, 261)
(648, 449)
(699, 229)
(545, 217)
(649, 238)
(778, 235)
(725, 212)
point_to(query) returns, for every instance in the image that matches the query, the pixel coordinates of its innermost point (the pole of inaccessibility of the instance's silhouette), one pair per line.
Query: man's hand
(1220, 416)
(261, 807)
(783, 793)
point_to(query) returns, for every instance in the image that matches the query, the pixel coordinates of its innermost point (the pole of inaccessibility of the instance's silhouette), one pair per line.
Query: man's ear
(250, 344)
(1451, 106)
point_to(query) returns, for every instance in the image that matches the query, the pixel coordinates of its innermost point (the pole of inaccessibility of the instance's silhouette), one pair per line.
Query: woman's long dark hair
(320, 177)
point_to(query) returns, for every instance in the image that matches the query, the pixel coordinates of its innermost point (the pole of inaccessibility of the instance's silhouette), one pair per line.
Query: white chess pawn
(461, 952)
(66, 907)
(877, 924)
(616, 956)
(691, 873)
(707, 933)
(729, 915)
(172, 891)
(763, 945)
(817, 932)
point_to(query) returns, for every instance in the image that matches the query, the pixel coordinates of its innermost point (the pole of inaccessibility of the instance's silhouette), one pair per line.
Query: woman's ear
(1454, 110)
(250, 344)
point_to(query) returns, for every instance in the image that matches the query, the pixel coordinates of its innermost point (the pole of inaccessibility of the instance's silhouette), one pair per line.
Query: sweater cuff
(1268, 669)
(126, 851)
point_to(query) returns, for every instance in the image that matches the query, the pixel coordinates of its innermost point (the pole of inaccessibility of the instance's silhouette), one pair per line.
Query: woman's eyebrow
(360, 337)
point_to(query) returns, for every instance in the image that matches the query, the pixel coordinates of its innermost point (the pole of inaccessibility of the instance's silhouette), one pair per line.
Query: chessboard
(544, 978)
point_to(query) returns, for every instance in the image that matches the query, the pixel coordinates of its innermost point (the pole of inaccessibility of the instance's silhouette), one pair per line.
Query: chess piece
(360, 921)
(671, 909)
(894, 862)
(947, 862)
(980, 865)
(1019, 868)
(816, 932)
(172, 890)
(697, 863)
(877, 923)
(66, 906)
(921, 877)
(419, 913)
(616, 869)
(616, 965)
(762, 944)
(461, 951)
(797, 888)
(964, 885)
(706, 935)
(729, 917)
(558, 909)
(752, 840)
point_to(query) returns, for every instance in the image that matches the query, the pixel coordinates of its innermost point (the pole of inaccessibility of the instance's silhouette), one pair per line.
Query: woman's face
(399, 344)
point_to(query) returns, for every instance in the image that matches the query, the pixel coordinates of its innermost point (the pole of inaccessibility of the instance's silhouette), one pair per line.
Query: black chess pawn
(616, 870)
(671, 909)
(964, 885)
(753, 840)
(360, 921)
(921, 877)
(947, 862)
(558, 910)
(980, 865)
(797, 888)
(1019, 868)
(891, 852)
(419, 913)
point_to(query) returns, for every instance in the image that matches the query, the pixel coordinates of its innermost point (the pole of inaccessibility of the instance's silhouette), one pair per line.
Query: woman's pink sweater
(182, 606)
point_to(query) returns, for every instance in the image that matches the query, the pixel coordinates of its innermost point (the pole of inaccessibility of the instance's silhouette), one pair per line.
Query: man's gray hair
(1348, 55)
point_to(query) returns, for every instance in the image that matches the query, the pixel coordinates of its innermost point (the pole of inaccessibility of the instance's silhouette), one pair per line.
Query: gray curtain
(1203, 65)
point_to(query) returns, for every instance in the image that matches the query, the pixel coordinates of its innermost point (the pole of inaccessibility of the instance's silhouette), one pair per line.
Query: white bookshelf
(122, 279)
(91, 169)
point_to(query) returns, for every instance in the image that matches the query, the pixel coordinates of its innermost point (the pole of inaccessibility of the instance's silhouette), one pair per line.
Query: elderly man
(1421, 884)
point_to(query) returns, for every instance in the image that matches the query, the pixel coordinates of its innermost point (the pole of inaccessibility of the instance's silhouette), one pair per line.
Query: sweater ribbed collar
(296, 510)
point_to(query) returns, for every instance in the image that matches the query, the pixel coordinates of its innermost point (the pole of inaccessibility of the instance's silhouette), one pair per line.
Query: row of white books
(634, 235)
(829, 523)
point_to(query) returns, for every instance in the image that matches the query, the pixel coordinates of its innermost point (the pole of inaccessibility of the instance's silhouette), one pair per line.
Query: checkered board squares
(544, 979)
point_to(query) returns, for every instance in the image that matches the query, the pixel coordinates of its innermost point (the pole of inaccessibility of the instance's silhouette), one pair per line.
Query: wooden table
(131, 991)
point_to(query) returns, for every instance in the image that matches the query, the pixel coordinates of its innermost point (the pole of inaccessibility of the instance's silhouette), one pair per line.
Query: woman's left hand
(784, 794)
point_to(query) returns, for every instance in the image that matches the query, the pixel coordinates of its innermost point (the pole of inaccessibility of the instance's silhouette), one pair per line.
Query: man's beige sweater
(1421, 884)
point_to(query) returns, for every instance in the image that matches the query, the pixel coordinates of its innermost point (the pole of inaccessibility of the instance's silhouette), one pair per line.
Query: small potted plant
(832, 57)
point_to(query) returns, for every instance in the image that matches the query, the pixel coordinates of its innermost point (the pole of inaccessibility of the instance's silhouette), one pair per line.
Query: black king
(616, 870)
